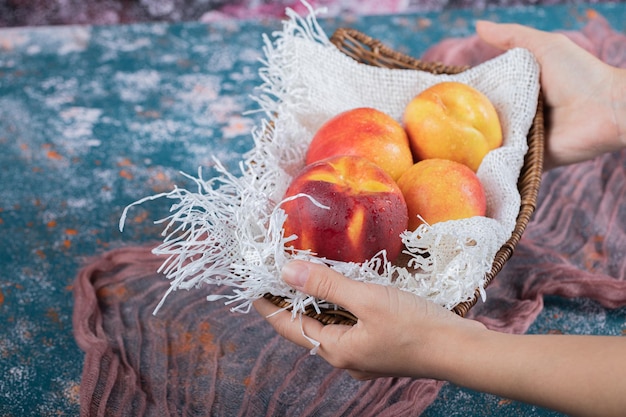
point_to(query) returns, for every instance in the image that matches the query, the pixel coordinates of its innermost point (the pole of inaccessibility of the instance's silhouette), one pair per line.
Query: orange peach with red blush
(365, 132)
(452, 120)
(365, 210)
(439, 190)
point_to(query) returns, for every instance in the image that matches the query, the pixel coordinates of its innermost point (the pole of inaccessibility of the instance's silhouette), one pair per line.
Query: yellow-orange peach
(439, 190)
(365, 132)
(452, 120)
(366, 210)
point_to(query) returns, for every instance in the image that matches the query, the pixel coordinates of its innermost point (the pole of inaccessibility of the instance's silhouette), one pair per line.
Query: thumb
(323, 283)
(507, 35)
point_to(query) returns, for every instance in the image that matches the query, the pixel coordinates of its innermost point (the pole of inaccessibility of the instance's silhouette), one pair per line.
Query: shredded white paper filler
(228, 231)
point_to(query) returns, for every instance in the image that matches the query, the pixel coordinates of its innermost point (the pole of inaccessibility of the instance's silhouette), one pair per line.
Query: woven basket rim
(367, 50)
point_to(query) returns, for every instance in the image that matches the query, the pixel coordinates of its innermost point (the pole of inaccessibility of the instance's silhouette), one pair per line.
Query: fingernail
(295, 274)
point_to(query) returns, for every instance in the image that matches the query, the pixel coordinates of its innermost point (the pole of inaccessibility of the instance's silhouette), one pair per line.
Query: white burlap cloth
(229, 230)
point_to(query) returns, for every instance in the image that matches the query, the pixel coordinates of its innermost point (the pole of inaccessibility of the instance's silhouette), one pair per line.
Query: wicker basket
(367, 50)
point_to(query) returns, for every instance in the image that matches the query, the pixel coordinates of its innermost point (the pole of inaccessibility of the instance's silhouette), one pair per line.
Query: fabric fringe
(229, 231)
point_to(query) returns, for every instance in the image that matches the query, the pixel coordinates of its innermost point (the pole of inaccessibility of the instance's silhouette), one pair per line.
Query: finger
(508, 35)
(326, 284)
(298, 330)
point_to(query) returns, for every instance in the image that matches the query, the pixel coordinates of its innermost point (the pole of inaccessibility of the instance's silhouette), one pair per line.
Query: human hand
(397, 333)
(586, 109)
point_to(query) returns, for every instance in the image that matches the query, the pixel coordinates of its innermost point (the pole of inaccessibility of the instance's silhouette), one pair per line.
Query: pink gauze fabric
(196, 358)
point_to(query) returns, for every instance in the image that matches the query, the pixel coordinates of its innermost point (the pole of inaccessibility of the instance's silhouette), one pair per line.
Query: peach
(439, 190)
(366, 210)
(452, 120)
(365, 132)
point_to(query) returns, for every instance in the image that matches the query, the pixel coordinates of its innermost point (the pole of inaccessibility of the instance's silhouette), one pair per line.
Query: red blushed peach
(452, 120)
(439, 190)
(365, 132)
(366, 210)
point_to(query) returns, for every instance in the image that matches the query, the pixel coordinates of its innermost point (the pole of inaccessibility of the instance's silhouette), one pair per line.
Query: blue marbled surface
(94, 117)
